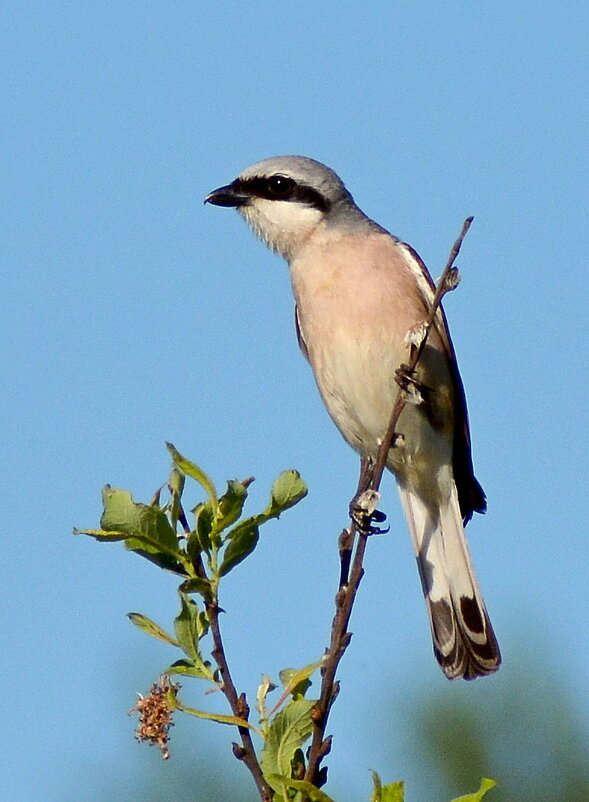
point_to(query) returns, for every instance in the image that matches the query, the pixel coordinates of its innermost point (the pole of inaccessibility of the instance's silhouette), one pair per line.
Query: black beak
(227, 196)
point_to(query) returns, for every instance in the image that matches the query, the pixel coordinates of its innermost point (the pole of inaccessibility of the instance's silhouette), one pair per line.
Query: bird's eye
(279, 186)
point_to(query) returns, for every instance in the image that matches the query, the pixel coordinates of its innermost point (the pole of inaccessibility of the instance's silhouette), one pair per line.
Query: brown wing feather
(471, 495)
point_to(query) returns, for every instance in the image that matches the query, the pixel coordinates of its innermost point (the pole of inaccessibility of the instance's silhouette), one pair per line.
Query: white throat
(283, 225)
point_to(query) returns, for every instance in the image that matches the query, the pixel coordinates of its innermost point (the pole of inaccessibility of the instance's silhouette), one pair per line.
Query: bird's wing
(471, 495)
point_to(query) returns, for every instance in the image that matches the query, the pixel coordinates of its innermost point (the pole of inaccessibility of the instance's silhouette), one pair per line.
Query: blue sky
(132, 314)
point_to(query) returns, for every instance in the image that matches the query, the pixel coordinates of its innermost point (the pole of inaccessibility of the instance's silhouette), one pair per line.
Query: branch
(246, 752)
(448, 281)
(370, 479)
(340, 640)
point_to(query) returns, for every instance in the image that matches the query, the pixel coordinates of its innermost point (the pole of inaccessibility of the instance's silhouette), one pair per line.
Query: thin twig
(344, 600)
(340, 639)
(246, 752)
(444, 285)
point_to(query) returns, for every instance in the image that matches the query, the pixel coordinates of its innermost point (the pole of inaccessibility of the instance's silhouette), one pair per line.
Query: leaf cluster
(395, 792)
(160, 533)
(202, 554)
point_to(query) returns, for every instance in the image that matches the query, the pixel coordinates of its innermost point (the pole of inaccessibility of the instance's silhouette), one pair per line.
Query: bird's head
(285, 198)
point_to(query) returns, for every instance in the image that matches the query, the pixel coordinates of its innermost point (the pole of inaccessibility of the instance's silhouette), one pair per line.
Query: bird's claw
(364, 513)
(415, 392)
(416, 334)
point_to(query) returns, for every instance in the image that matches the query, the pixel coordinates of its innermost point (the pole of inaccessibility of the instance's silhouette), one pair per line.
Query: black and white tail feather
(463, 638)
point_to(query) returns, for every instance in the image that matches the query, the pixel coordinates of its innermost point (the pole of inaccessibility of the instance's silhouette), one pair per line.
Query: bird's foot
(364, 513)
(415, 392)
(416, 335)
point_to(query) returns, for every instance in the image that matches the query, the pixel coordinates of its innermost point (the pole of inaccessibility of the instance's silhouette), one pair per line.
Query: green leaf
(196, 473)
(218, 717)
(153, 629)
(278, 783)
(144, 528)
(309, 791)
(202, 623)
(230, 505)
(204, 524)
(193, 546)
(264, 688)
(176, 482)
(244, 539)
(197, 585)
(100, 534)
(150, 524)
(187, 628)
(176, 488)
(188, 668)
(393, 792)
(296, 680)
(376, 787)
(152, 553)
(287, 491)
(288, 732)
(486, 785)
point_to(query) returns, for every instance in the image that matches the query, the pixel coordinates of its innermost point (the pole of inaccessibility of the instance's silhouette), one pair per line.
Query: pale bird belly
(356, 379)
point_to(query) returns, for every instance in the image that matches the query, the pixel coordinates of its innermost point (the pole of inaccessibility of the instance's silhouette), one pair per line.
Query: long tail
(464, 642)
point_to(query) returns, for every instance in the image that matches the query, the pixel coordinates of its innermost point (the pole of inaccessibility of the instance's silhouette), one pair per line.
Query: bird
(359, 294)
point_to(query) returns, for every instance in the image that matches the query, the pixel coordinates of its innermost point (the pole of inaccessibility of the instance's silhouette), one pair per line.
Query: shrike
(359, 291)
